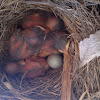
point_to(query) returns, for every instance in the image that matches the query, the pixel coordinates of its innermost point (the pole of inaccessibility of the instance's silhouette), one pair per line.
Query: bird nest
(81, 18)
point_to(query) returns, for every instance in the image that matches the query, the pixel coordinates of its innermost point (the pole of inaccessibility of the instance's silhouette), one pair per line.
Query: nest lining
(80, 23)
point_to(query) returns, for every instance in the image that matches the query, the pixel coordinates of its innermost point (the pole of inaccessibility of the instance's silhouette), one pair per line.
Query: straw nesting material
(81, 21)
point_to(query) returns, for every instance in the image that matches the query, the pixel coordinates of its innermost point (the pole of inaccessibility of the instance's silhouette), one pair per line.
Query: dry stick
(87, 91)
(66, 80)
(82, 96)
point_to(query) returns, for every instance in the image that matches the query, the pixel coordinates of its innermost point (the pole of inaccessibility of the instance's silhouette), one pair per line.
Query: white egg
(55, 61)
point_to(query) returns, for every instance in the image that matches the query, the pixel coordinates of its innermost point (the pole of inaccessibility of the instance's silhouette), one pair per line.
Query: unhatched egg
(55, 61)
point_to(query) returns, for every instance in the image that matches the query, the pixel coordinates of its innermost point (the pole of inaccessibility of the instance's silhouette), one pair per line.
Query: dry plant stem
(66, 80)
(82, 96)
(87, 91)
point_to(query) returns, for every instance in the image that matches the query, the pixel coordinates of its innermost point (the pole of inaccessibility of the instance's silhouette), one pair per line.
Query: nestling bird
(34, 35)
(18, 46)
(54, 23)
(33, 20)
(48, 46)
(35, 66)
(60, 41)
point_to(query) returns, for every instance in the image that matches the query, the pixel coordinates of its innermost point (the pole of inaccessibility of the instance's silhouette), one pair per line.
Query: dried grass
(81, 19)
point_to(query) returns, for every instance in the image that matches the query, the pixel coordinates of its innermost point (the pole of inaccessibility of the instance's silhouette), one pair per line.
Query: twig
(66, 80)
(82, 96)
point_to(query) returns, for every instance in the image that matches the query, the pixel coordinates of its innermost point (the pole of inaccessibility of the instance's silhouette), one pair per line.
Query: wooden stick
(66, 80)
